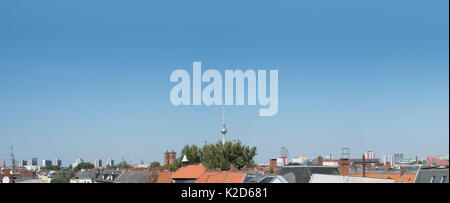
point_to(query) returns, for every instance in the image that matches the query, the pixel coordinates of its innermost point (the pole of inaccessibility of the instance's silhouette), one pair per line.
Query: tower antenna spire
(13, 160)
(224, 129)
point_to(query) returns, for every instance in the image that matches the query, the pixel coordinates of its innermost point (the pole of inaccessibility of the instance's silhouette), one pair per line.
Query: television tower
(13, 160)
(224, 129)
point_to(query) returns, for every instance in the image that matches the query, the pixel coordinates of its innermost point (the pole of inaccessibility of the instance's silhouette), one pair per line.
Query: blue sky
(87, 79)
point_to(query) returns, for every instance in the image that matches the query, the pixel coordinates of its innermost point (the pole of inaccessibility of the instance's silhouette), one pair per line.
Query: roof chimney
(388, 166)
(233, 167)
(273, 165)
(344, 167)
(320, 161)
(364, 165)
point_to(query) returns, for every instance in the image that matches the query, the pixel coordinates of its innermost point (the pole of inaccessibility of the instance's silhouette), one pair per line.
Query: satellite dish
(5, 179)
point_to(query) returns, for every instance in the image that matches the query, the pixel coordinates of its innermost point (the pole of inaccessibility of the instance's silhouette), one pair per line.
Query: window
(444, 178)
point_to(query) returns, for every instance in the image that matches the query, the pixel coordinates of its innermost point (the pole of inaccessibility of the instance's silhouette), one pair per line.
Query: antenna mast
(13, 160)
(224, 129)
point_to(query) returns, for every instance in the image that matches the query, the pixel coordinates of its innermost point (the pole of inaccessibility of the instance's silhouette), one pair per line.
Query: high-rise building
(109, 162)
(370, 154)
(57, 162)
(78, 161)
(46, 162)
(33, 162)
(21, 163)
(98, 163)
(388, 158)
(398, 157)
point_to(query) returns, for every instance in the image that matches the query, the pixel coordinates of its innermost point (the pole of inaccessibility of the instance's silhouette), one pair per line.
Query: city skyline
(104, 160)
(90, 79)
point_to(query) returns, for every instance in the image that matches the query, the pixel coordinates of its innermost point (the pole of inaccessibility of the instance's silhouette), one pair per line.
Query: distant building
(98, 163)
(33, 162)
(57, 162)
(169, 157)
(370, 154)
(388, 158)
(109, 162)
(435, 162)
(46, 163)
(21, 163)
(295, 160)
(398, 157)
(78, 161)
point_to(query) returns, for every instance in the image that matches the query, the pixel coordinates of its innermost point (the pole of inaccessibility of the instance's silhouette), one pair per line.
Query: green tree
(63, 176)
(192, 154)
(219, 155)
(155, 164)
(51, 168)
(122, 164)
(172, 167)
(84, 165)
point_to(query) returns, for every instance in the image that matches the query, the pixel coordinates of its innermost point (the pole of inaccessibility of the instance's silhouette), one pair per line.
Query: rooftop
(189, 172)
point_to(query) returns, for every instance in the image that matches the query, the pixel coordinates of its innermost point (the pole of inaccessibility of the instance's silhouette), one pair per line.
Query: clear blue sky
(87, 79)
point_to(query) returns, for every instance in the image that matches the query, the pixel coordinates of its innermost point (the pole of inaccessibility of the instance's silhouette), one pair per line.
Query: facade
(331, 163)
(398, 157)
(98, 163)
(21, 163)
(109, 162)
(46, 163)
(388, 159)
(435, 162)
(170, 157)
(57, 162)
(370, 154)
(33, 162)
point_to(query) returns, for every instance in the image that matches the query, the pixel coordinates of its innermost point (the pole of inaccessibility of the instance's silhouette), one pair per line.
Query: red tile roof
(221, 177)
(189, 172)
(164, 177)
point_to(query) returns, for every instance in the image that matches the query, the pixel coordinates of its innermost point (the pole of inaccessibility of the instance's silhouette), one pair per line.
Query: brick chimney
(273, 165)
(320, 161)
(233, 167)
(344, 167)
(172, 157)
(166, 158)
(364, 165)
(388, 166)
